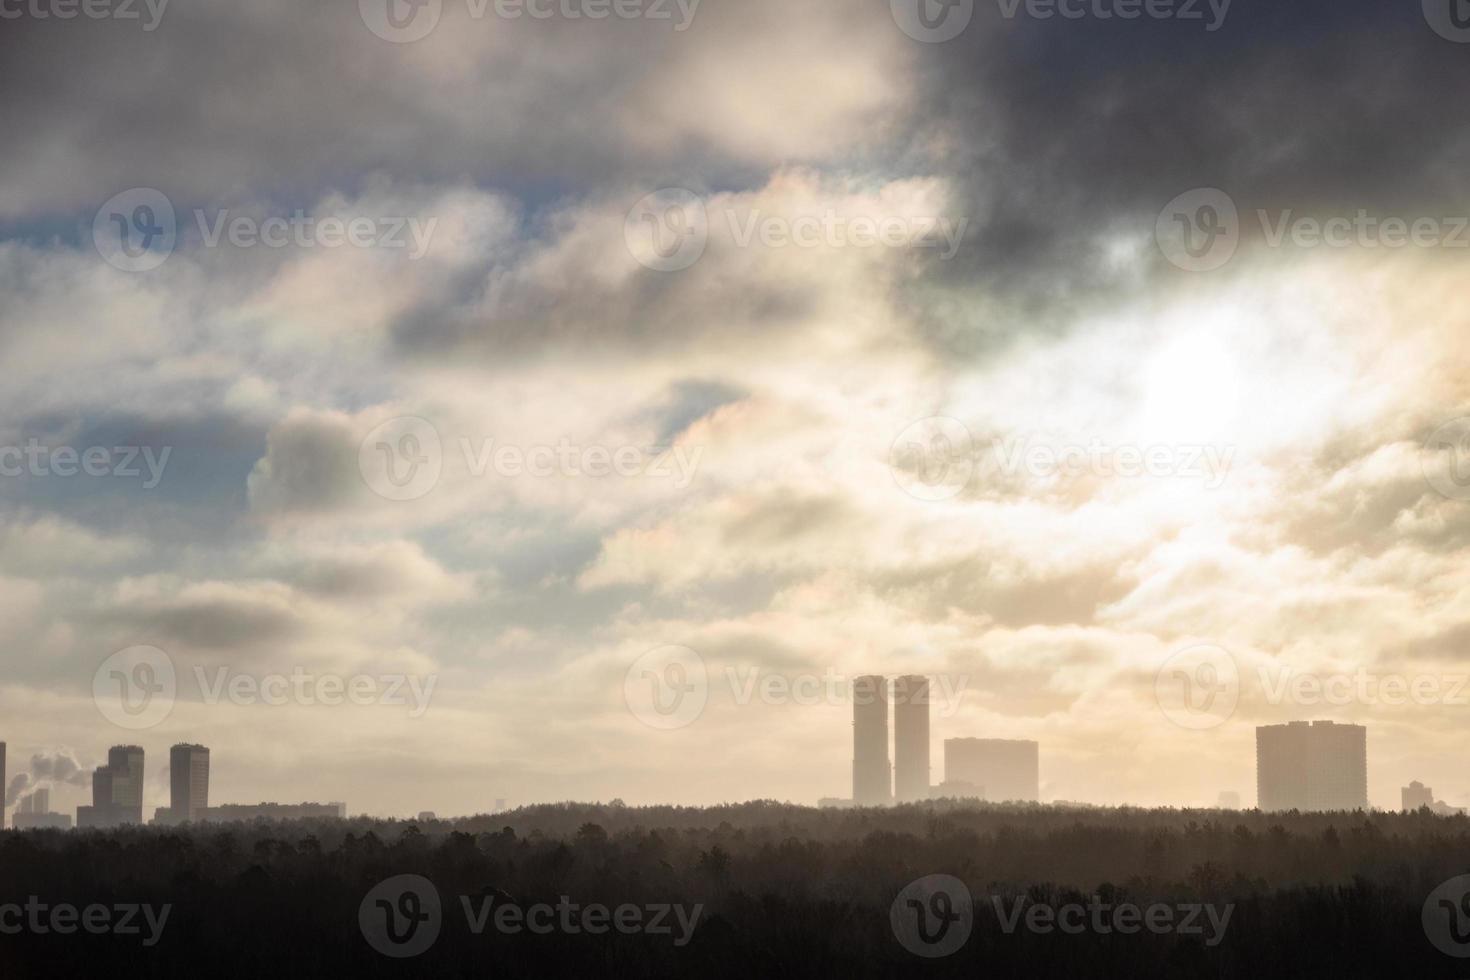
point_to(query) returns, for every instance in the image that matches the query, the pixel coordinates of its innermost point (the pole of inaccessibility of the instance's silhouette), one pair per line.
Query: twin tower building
(874, 781)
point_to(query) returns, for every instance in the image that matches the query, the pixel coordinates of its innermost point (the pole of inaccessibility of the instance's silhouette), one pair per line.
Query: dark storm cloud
(1067, 133)
(508, 315)
(223, 621)
(311, 466)
(293, 99)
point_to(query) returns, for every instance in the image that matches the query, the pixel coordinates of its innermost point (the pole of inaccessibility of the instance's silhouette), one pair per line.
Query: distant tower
(102, 786)
(3, 785)
(188, 782)
(1312, 766)
(911, 739)
(871, 775)
(126, 763)
(1415, 795)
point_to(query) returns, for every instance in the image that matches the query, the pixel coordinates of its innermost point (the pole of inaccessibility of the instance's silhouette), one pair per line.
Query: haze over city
(736, 456)
(686, 488)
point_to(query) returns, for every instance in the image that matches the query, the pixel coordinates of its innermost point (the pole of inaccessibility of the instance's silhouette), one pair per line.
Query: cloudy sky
(507, 361)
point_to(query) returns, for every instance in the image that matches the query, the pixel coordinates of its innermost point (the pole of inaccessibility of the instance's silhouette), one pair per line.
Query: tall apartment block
(126, 763)
(1312, 766)
(911, 739)
(117, 790)
(872, 777)
(188, 782)
(1003, 769)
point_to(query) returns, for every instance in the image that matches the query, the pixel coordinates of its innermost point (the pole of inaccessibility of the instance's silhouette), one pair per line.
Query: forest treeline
(779, 890)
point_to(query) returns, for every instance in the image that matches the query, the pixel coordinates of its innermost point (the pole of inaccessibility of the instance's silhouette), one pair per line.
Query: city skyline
(936, 393)
(992, 769)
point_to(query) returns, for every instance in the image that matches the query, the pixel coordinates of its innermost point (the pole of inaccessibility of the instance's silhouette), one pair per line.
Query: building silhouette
(3, 785)
(911, 738)
(126, 763)
(1008, 769)
(1415, 795)
(1312, 766)
(117, 790)
(872, 776)
(34, 813)
(37, 802)
(272, 811)
(188, 781)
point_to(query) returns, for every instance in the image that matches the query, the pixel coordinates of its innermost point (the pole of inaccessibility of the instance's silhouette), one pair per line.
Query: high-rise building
(1009, 769)
(3, 785)
(126, 763)
(1415, 795)
(1312, 766)
(188, 779)
(117, 790)
(910, 738)
(872, 777)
